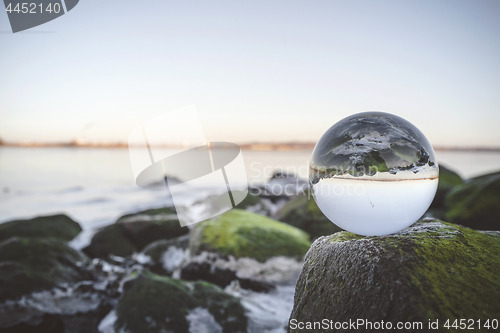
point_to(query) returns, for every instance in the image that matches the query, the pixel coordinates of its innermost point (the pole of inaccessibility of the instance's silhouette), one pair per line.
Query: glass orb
(373, 173)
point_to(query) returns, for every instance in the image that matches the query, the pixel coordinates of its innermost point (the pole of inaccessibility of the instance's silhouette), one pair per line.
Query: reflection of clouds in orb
(389, 158)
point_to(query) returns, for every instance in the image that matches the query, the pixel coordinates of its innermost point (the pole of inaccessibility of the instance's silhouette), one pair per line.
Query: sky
(257, 71)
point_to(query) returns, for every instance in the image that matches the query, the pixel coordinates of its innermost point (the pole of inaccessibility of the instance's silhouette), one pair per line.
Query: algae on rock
(31, 264)
(55, 226)
(476, 203)
(244, 234)
(153, 303)
(133, 232)
(432, 270)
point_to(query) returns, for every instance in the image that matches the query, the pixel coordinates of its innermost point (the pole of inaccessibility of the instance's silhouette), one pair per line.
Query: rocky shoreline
(238, 272)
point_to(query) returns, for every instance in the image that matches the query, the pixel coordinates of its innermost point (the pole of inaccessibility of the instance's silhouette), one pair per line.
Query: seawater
(374, 207)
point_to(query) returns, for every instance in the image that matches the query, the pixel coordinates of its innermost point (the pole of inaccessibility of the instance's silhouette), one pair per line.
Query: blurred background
(272, 77)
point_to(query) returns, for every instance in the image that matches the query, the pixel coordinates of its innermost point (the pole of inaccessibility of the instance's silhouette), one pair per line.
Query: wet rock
(238, 245)
(110, 240)
(250, 273)
(29, 264)
(430, 270)
(46, 286)
(302, 212)
(476, 203)
(153, 303)
(448, 179)
(131, 233)
(165, 256)
(244, 234)
(55, 226)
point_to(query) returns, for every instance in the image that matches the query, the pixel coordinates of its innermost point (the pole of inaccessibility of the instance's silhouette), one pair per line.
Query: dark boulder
(29, 264)
(240, 245)
(244, 234)
(153, 303)
(46, 286)
(476, 203)
(132, 233)
(165, 256)
(428, 271)
(54, 226)
(448, 179)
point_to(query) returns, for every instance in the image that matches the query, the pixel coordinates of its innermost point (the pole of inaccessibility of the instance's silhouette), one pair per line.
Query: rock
(29, 264)
(244, 234)
(238, 245)
(432, 270)
(153, 303)
(150, 214)
(302, 212)
(110, 240)
(131, 233)
(165, 256)
(476, 203)
(448, 179)
(55, 226)
(46, 286)
(250, 274)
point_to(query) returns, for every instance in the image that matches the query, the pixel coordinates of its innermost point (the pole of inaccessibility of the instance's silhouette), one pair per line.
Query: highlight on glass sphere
(373, 173)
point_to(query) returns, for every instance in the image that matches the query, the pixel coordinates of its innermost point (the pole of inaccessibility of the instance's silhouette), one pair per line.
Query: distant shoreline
(255, 146)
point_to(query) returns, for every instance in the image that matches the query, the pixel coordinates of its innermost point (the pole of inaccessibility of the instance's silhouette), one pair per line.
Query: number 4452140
(33, 8)
(471, 324)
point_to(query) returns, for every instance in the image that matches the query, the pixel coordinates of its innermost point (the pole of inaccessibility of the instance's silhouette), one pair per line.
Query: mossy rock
(244, 234)
(132, 233)
(476, 203)
(55, 226)
(448, 179)
(110, 240)
(429, 271)
(154, 304)
(302, 212)
(31, 264)
(166, 254)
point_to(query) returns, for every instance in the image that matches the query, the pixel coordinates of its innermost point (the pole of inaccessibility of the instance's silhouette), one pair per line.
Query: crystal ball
(373, 173)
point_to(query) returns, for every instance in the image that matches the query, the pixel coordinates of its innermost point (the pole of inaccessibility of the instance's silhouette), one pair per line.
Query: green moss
(431, 271)
(448, 264)
(344, 236)
(448, 179)
(153, 303)
(55, 226)
(29, 264)
(475, 203)
(244, 234)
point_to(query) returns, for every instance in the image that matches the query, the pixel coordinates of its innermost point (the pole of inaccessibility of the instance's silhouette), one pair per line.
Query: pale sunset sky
(256, 70)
